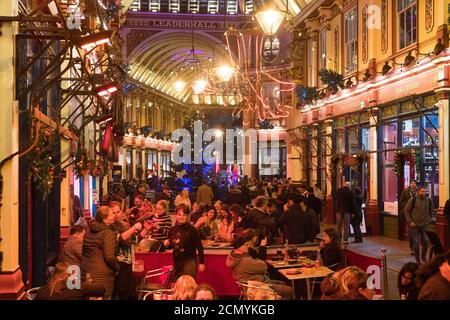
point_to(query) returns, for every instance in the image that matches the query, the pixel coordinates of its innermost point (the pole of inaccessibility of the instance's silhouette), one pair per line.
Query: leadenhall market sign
(173, 24)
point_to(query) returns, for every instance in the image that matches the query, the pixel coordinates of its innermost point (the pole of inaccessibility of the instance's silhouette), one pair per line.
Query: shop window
(389, 138)
(129, 164)
(353, 146)
(323, 49)
(340, 142)
(430, 125)
(271, 48)
(411, 132)
(407, 22)
(390, 191)
(351, 40)
(365, 139)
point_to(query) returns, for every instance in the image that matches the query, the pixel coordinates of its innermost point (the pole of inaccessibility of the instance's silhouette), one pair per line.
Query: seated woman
(330, 250)
(205, 292)
(347, 284)
(207, 225)
(247, 264)
(225, 227)
(184, 288)
(406, 282)
(57, 289)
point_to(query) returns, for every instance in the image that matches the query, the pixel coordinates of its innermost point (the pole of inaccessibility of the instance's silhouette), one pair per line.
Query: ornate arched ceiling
(162, 59)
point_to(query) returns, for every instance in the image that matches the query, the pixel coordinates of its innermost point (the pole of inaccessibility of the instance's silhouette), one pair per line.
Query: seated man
(248, 265)
(71, 253)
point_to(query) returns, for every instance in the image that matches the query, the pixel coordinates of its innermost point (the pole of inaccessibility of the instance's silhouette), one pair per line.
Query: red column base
(329, 212)
(442, 228)
(11, 285)
(373, 217)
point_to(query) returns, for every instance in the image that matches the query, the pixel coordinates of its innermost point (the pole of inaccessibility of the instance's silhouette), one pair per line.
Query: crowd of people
(249, 216)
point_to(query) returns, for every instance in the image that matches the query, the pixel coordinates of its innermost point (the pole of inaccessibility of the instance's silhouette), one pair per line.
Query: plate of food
(293, 272)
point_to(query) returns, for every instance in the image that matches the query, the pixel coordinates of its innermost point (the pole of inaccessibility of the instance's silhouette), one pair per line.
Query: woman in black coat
(99, 251)
(330, 250)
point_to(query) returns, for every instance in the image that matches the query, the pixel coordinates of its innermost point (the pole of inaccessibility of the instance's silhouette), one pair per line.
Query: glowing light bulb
(224, 73)
(179, 85)
(199, 86)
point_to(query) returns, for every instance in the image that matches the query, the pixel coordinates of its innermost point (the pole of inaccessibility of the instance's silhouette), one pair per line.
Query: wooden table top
(284, 264)
(306, 273)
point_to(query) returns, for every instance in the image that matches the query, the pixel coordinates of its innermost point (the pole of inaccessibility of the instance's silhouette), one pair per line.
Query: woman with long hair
(99, 250)
(185, 241)
(184, 288)
(347, 284)
(57, 288)
(406, 282)
(183, 198)
(225, 227)
(330, 250)
(207, 225)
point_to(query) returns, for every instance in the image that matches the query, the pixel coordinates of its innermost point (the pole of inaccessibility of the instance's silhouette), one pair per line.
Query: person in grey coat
(419, 212)
(72, 251)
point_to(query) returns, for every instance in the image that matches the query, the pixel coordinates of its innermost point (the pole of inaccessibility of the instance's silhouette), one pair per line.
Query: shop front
(408, 141)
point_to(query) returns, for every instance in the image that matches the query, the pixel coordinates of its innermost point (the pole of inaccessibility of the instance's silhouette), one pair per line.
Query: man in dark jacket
(260, 220)
(292, 221)
(406, 194)
(313, 202)
(345, 202)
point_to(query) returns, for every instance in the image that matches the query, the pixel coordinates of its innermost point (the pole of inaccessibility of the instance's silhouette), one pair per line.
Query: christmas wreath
(364, 156)
(83, 163)
(401, 156)
(41, 169)
(100, 168)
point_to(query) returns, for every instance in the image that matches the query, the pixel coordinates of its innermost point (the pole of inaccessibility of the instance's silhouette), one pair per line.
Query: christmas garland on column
(83, 163)
(401, 156)
(41, 169)
(101, 167)
(335, 160)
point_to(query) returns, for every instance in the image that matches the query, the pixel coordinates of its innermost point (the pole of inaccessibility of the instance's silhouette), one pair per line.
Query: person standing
(99, 251)
(407, 194)
(292, 221)
(419, 212)
(260, 220)
(313, 202)
(318, 193)
(205, 194)
(185, 241)
(357, 216)
(345, 201)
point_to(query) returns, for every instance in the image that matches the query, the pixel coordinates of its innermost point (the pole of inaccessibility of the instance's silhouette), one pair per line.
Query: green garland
(83, 163)
(100, 168)
(41, 169)
(332, 80)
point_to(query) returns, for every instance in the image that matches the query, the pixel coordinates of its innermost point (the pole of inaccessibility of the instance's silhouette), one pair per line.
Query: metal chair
(165, 277)
(260, 291)
(31, 293)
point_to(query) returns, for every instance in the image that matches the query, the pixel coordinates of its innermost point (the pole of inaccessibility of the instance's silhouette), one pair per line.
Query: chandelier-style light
(199, 86)
(224, 73)
(269, 19)
(179, 85)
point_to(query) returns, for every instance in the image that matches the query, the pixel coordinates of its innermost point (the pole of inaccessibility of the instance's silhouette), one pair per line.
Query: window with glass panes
(351, 40)
(407, 22)
(323, 49)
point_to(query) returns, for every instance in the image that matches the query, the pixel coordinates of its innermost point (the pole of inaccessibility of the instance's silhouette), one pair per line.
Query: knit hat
(247, 235)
